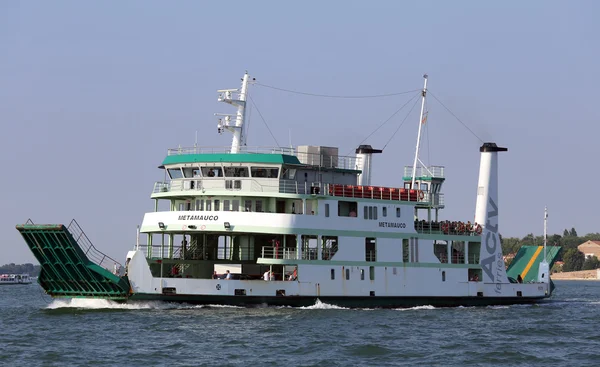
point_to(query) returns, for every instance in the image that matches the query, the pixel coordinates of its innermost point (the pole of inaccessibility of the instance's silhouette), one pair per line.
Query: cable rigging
(336, 96)
(389, 118)
(402, 123)
(265, 122)
(456, 117)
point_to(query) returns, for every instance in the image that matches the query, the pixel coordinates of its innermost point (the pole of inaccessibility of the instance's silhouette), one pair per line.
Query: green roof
(232, 158)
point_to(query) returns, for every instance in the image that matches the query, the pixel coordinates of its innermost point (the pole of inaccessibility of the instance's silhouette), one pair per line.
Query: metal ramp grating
(71, 265)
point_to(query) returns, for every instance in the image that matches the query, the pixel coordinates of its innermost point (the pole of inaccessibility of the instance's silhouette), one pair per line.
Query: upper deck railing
(319, 160)
(249, 185)
(431, 171)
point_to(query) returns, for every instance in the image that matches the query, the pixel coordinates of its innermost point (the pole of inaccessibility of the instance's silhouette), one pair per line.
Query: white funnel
(364, 157)
(486, 215)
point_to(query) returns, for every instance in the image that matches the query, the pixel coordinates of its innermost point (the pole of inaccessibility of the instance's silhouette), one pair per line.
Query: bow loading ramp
(71, 265)
(527, 261)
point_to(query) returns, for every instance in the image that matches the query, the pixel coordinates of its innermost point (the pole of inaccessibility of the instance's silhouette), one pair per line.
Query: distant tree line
(12, 268)
(573, 259)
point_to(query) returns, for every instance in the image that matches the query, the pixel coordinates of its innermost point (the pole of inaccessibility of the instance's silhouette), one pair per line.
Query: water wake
(104, 304)
(427, 307)
(322, 306)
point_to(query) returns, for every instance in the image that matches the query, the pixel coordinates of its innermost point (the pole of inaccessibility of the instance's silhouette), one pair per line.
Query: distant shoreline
(577, 275)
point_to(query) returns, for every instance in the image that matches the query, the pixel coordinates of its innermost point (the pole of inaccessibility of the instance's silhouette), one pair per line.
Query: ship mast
(423, 94)
(545, 230)
(225, 123)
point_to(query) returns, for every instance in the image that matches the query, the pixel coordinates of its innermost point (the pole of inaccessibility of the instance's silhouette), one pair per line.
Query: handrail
(278, 252)
(431, 171)
(321, 160)
(88, 248)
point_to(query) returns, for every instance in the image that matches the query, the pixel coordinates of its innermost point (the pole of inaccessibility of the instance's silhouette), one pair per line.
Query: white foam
(219, 306)
(322, 306)
(99, 304)
(426, 307)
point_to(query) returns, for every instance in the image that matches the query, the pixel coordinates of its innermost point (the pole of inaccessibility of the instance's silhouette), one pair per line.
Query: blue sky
(93, 93)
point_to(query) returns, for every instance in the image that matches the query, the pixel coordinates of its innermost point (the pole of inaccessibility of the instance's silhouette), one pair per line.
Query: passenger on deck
(266, 275)
(271, 275)
(215, 275)
(228, 275)
(352, 213)
(211, 173)
(184, 248)
(294, 275)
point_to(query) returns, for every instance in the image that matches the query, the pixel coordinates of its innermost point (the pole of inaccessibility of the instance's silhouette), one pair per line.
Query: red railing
(375, 192)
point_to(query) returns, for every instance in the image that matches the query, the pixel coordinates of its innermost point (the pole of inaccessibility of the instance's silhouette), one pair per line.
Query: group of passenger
(226, 276)
(474, 278)
(269, 275)
(457, 227)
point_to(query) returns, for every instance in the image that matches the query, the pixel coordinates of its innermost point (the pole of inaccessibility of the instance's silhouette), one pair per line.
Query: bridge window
(217, 205)
(175, 173)
(226, 205)
(289, 174)
(208, 205)
(235, 205)
(214, 171)
(264, 172)
(190, 172)
(259, 205)
(236, 172)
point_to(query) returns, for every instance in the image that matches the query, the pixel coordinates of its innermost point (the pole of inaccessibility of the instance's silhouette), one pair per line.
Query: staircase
(71, 265)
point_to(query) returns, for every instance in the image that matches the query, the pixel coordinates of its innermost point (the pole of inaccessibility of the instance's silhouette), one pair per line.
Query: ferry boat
(9, 279)
(290, 226)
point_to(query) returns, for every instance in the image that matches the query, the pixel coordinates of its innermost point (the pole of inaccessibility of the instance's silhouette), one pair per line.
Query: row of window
(348, 209)
(219, 171)
(224, 205)
(344, 209)
(362, 273)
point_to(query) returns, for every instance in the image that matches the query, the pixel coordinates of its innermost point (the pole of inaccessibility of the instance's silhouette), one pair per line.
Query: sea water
(36, 330)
